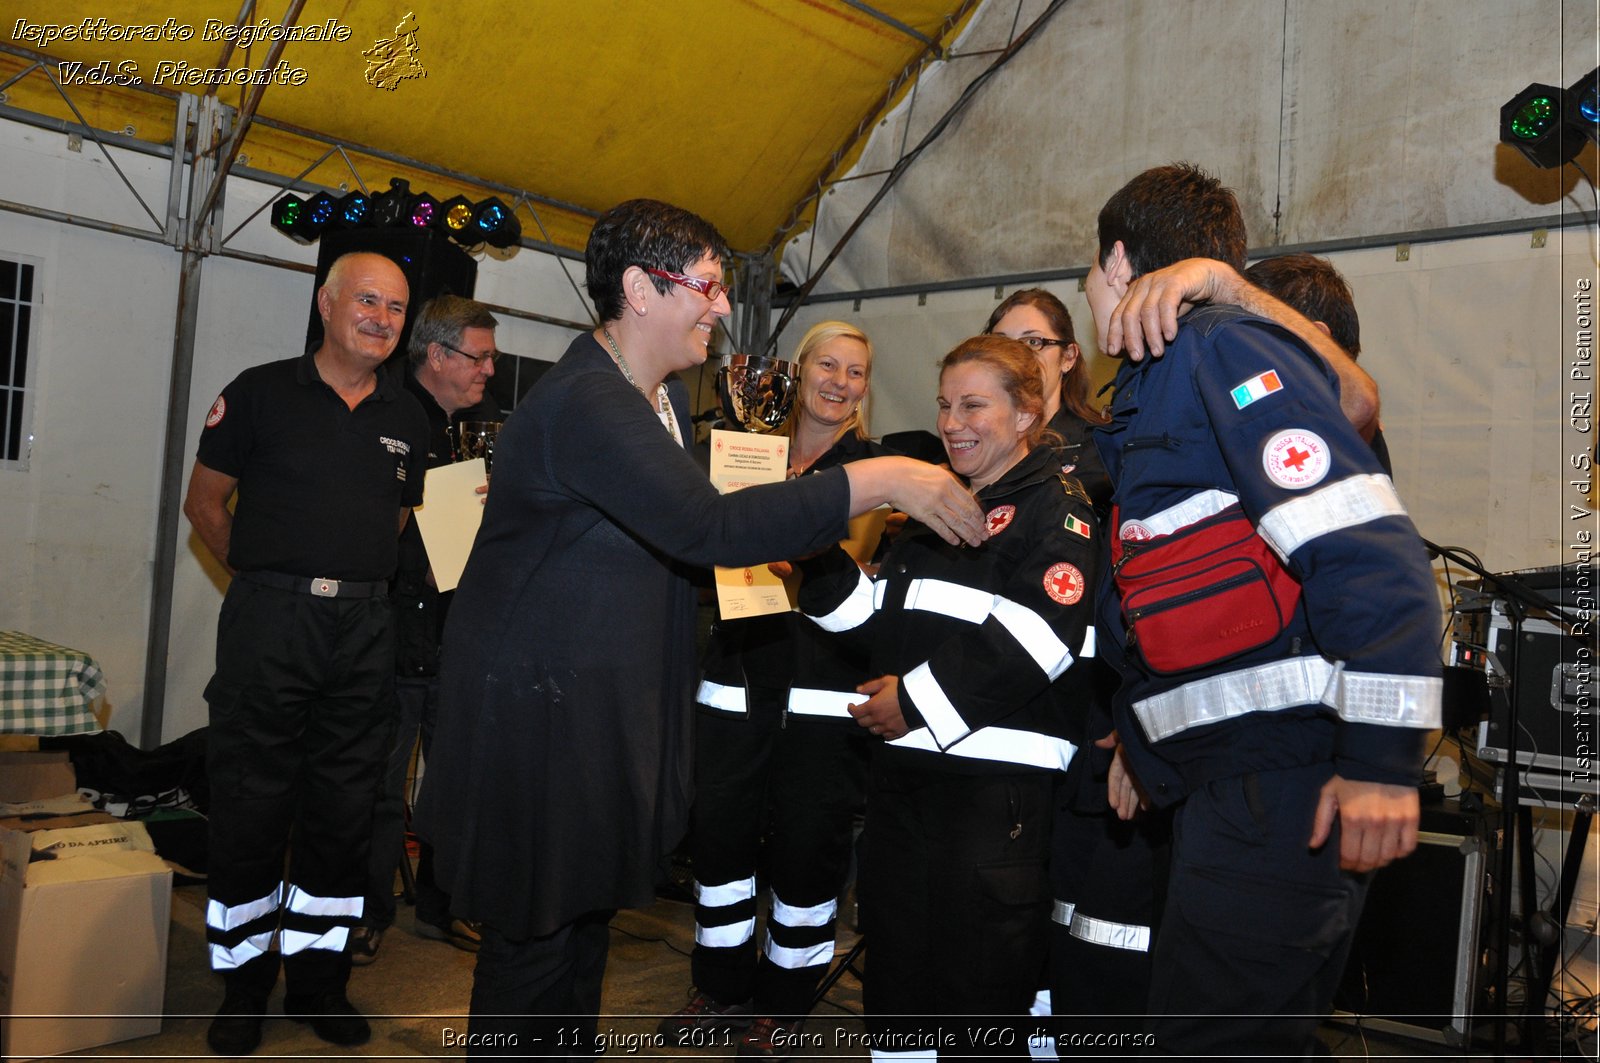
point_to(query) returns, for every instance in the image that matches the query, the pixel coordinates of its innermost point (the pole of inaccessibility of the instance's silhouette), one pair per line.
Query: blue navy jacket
(1240, 414)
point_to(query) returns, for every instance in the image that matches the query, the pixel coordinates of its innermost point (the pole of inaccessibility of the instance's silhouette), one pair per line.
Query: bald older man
(326, 456)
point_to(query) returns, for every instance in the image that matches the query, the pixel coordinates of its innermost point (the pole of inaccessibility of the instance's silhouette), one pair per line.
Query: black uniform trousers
(1109, 880)
(955, 903)
(417, 698)
(540, 996)
(1257, 925)
(799, 784)
(302, 713)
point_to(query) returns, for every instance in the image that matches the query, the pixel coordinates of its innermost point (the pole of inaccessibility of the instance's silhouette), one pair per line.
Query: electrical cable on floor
(649, 940)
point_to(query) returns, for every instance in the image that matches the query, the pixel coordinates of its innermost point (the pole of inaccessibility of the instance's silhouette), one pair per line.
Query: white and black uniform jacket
(984, 639)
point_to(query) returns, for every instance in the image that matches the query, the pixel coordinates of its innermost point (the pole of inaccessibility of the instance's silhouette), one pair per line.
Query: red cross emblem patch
(218, 409)
(1296, 459)
(1063, 583)
(999, 517)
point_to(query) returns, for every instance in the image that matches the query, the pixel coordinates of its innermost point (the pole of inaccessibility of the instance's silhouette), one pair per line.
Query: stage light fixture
(318, 212)
(457, 212)
(1583, 104)
(424, 211)
(1534, 122)
(495, 224)
(392, 208)
(354, 207)
(285, 213)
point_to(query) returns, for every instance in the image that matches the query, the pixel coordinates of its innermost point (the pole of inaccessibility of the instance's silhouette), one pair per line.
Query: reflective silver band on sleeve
(1196, 507)
(811, 701)
(1345, 504)
(854, 611)
(1387, 700)
(954, 600)
(722, 698)
(1061, 912)
(1129, 936)
(1006, 744)
(938, 713)
(1358, 697)
(1035, 636)
(1279, 685)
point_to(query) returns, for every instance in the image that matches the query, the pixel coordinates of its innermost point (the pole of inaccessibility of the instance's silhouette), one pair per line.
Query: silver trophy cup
(475, 439)
(757, 391)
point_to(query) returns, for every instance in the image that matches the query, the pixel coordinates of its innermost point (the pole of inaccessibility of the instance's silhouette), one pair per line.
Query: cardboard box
(83, 947)
(32, 776)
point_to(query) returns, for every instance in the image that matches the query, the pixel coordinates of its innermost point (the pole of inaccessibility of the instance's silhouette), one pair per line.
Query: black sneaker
(331, 1015)
(461, 933)
(703, 1013)
(364, 942)
(236, 1031)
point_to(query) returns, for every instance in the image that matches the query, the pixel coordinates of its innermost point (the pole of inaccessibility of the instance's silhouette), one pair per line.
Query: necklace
(663, 400)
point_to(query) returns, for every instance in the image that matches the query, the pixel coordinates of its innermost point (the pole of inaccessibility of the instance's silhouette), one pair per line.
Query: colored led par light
(286, 214)
(1534, 122)
(496, 225)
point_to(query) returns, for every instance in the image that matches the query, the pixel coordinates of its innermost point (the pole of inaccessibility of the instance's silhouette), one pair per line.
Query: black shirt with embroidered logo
(320, 485)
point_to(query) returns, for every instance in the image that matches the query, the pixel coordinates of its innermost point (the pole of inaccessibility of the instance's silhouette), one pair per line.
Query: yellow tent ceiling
(732, 108)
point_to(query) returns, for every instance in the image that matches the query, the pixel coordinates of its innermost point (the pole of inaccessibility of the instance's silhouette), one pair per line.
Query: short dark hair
(1312, 286)
(651, 235)
(1075, 381)
(442, 320)
(1170, 213)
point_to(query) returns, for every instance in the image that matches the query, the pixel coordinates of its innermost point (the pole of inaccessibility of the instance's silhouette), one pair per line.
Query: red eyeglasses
(708, 288)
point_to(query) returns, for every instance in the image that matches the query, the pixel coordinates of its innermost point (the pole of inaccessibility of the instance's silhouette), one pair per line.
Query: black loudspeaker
(432, 265)
(1414, 965)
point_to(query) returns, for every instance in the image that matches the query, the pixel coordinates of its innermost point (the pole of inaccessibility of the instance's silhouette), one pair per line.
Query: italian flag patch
(1257, 387)
(1077, 527)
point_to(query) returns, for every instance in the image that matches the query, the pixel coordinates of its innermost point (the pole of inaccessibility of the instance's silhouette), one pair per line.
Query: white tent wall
(79, 523)
(1330, 120)
(1469, 341)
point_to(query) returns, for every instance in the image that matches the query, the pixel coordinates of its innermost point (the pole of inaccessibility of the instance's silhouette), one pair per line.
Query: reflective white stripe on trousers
(310, 904)
(728, 934)
(226, 959)
(224, 917)
(294, 941)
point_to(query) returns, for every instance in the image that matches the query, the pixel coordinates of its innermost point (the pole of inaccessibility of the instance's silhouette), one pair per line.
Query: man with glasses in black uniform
(451, 358)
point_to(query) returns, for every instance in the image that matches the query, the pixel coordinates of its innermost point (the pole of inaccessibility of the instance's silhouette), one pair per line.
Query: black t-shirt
(321, 485)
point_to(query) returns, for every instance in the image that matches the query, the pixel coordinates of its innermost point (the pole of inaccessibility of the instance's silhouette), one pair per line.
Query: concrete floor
(416, 993)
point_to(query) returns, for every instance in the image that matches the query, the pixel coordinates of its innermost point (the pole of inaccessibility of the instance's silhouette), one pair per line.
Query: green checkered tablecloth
(46, 689)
